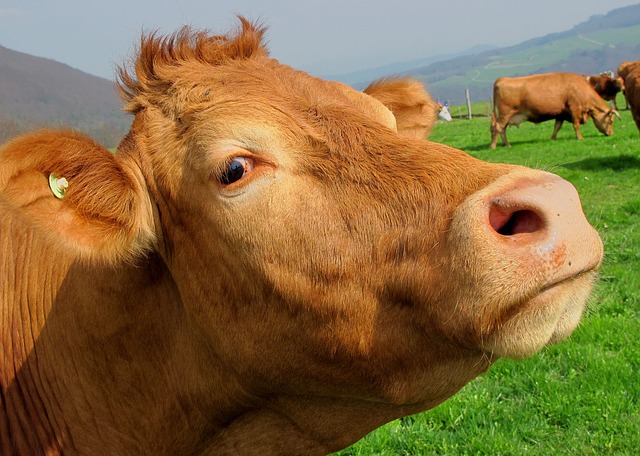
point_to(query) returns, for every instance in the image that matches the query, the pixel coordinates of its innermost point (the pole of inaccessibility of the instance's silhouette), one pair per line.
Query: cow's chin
(549, 317)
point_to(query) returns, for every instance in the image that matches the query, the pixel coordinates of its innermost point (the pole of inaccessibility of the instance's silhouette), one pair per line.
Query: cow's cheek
(289, 247)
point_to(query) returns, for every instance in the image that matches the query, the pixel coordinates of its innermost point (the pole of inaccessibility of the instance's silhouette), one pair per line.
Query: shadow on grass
(514, 144)
(619, 163)
(543, 138)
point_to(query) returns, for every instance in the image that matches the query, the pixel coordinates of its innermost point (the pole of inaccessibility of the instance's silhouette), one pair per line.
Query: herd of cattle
(564, 97)
(269, 264)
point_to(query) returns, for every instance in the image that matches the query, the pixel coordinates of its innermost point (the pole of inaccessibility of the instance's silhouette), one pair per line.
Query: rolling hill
(37, 92)
(591, 47)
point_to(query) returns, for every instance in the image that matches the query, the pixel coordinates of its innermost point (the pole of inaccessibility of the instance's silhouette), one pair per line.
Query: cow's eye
(236, 169)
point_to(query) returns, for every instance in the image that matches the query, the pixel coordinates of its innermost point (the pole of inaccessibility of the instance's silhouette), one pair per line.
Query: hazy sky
(323, 37)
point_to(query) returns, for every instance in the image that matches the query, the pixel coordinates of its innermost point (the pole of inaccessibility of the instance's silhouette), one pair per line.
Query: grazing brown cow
(630, 71)
(265, 266)
(542, 97)
(607, 86)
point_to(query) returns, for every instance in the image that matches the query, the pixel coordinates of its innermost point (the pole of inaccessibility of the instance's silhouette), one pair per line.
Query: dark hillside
(37, 92)
(619, 18)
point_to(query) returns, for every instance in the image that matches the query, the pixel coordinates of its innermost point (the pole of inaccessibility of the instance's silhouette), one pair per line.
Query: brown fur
(630, 71)
(542, 97)
(414, 109)
(353, 276)
(607, 87)
(159, 60)
(624, 68)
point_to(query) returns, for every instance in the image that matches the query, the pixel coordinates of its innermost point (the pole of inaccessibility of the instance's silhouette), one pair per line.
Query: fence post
(466, 92)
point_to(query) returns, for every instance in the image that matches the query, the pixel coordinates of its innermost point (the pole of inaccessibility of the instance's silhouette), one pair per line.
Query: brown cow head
(305, 272)
(603, 120)
(290, 209)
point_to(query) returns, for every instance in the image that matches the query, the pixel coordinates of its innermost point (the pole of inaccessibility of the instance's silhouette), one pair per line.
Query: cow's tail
(494, 107)
(494, 112)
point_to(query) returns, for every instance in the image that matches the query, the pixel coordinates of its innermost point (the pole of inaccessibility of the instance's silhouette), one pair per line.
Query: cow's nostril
(516, 222)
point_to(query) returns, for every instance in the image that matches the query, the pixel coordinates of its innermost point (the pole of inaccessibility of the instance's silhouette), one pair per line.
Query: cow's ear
(408, 100)
(64, 186)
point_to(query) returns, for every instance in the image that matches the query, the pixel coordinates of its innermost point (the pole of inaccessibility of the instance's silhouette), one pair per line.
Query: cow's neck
(106, 351)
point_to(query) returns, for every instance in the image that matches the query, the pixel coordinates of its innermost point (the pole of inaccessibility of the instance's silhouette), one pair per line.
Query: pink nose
(538, 223)
(524, 259)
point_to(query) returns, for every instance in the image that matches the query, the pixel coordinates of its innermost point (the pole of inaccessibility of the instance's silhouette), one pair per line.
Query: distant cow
(607, 86)
(630, 71)
(267, 265)
(542, 97)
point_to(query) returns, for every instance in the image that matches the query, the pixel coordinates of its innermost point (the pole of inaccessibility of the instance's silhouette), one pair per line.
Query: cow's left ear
(408, 100)
(74, 191)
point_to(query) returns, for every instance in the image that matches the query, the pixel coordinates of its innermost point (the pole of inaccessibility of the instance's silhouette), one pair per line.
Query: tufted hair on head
(157, 54)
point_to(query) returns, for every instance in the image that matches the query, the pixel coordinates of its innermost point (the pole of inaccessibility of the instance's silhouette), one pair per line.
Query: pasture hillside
(37, 92)
(596, 45)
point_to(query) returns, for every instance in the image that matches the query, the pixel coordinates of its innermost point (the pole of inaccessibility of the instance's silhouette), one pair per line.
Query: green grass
(581, 397)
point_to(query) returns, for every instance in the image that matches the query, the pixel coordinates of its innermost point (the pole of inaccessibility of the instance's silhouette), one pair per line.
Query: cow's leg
(503, 135)
(494, 138)
(556, 128)
(499, 127)
(494, 131)
(576, 127)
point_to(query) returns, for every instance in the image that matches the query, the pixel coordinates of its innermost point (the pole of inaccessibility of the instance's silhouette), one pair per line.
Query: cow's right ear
(67, 187)
(414, 109)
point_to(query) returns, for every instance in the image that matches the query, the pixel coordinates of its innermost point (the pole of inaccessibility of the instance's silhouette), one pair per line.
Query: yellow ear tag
(58, 185)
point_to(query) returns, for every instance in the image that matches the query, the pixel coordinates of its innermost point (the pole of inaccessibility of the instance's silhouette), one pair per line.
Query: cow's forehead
(263, 82)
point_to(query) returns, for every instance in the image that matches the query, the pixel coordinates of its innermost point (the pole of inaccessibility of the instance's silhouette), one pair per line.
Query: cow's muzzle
(530, 257)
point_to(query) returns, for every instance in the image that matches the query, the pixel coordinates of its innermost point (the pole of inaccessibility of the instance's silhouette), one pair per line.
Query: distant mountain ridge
(596, 45)
(38, 92)
(370, 74)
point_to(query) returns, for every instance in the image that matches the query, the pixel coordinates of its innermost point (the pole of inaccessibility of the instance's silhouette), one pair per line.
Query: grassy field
(581, 397)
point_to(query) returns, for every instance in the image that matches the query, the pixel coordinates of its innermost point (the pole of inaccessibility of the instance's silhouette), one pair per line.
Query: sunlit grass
(581, 397)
